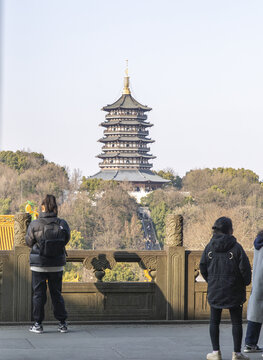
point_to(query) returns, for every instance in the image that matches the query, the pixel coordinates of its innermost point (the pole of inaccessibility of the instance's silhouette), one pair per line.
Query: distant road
(151, 241)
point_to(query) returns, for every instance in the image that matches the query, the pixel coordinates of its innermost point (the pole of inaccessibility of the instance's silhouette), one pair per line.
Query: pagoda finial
(126, 89)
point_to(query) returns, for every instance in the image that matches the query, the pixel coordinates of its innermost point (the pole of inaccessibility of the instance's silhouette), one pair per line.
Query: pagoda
(125, 152)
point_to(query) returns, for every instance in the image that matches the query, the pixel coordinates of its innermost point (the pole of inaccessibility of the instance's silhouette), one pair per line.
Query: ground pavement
(113, 342)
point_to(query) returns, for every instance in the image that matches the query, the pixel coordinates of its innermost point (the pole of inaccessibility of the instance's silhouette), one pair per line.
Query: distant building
(125, 151)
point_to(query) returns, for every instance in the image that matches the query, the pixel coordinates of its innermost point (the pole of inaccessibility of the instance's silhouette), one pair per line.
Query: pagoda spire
(126, 89)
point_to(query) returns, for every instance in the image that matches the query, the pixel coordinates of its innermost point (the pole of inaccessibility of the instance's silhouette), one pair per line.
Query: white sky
(198, 64)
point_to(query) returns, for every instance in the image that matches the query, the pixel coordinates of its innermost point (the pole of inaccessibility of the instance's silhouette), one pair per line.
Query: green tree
(22, 160)
(158, 215)
(76, 240)
(96, 185)
(227, 187)
(73, 272)
(169, 174)
(121, 272)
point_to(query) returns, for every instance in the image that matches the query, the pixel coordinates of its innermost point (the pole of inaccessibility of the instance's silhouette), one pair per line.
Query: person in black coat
(48, 236)
(225, 267)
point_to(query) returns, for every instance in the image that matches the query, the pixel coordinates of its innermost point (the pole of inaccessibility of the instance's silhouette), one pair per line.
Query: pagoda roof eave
(126, 101)
(125, 122)
(146, 176)
(125, 138)
(124, 155)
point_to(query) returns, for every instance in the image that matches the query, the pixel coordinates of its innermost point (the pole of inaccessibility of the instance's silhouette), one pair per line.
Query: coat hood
(258, 243)
(222, 242)
(47, 215)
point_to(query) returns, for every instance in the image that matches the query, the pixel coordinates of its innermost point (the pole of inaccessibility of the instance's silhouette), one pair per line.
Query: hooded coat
(255, 303)
(226, 268)
(34, 235)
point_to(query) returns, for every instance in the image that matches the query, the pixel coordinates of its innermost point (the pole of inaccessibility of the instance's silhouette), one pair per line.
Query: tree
(158, 215)
(199, 219)
(96, 185)
(5, 206)
(121, 272)
(25, 175)
(9, 186)
(169, 174)
(114, 209)
(73, 272)
(79, 213)
(227, 187)
(77, 241)
(75, 180)
(133, 233)
(22, 160)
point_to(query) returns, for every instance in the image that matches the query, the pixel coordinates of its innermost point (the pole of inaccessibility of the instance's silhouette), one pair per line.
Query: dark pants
(39, 283)
(253, 332)
(237, 331)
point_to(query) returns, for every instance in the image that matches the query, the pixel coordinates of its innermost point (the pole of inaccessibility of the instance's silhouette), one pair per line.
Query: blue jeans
(253, 332)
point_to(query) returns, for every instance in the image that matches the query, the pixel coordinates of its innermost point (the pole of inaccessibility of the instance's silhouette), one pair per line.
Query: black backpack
(52, 242)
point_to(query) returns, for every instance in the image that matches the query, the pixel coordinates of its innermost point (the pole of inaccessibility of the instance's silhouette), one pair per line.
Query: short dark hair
(223, 225)
(50, 204)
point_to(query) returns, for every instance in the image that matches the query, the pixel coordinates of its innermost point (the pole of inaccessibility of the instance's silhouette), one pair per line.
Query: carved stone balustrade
(176, 290)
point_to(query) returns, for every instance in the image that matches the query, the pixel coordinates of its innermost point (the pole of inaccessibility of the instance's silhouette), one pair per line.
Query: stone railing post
(175, 267)
(22, 273)
(174, 230)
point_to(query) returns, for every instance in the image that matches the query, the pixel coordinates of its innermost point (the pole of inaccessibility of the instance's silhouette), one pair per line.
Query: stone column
(175, 267)
(174, 230)
(176, 283)
(22, 274)
(22, 220)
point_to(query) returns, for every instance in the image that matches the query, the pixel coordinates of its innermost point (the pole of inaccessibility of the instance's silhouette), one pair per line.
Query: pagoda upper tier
(127, 102)
(126, 137)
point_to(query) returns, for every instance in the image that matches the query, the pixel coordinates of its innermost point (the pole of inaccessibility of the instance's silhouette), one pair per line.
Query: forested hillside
(102, 214)
(106, 218)
(206, 195)
(28, 176)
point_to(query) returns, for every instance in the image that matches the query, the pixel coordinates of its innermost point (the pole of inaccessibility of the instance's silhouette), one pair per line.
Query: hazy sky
(197, 63)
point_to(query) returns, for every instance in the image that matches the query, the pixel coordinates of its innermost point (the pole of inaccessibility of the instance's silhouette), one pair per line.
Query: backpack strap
(232, 257)
(46, 222)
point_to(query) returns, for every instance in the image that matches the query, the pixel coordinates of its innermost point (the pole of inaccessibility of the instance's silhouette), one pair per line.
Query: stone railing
(176, 290)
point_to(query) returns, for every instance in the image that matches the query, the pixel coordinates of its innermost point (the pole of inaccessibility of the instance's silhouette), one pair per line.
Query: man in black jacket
(48, 236)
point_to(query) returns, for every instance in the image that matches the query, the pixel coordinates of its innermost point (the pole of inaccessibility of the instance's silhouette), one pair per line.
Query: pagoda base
(140, 179)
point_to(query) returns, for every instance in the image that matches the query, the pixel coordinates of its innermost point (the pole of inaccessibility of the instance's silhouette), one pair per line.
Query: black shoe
(37, 328)
(63, 327)
(252, 349)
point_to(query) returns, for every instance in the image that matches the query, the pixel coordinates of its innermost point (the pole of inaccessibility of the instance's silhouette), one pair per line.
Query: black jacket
(33, 236)
(226, 268)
